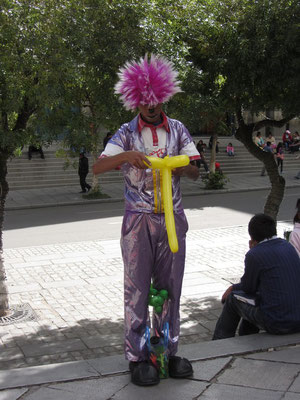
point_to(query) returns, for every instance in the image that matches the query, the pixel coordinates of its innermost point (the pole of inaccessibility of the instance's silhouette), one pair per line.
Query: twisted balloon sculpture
(165, 165)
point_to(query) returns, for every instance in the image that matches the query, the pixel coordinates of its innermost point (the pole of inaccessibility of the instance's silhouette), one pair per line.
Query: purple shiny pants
(146, 255)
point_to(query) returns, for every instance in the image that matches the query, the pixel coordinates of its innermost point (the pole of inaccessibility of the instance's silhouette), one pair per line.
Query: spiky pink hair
(147, 82)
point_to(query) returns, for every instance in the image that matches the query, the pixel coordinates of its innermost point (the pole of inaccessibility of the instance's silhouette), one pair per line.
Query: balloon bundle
(157, 298)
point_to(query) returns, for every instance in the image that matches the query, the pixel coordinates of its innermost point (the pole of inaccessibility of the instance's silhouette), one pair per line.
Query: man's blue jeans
(233, 311)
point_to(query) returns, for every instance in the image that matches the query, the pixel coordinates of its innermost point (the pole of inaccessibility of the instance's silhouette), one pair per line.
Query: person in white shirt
(295, 234)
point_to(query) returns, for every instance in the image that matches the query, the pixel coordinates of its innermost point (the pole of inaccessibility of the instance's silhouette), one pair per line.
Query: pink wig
(147, 82)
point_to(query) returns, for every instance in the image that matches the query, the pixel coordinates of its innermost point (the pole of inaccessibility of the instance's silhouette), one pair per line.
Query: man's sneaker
(143, 373)
(179, 367)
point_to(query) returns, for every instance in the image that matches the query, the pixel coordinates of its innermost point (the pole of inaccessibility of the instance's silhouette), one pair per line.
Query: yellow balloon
(165, 165)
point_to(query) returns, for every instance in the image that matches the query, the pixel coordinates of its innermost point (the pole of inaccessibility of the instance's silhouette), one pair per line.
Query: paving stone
(191, 327)
(12, 394)
(8, 354)
(13, 288)
(295, 386)
(93, 389)
(207, 370)
(260, 374)
(39, 349)
(94, 342)
(167, 389)
(237, 345)
(291, 396)
(290, 355)
(229, 392)
(62, 284)
(189, 290)
(209, 325)
(110, 365)
(46, 373)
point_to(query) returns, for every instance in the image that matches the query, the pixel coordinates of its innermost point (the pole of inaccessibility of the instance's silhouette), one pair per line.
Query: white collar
(266, 240)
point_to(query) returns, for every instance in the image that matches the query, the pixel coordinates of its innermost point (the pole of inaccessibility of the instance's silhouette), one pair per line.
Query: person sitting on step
(268, 295)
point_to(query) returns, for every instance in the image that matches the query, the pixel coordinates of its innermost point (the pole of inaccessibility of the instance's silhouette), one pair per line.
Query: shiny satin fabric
(146, 254)
(143, 186)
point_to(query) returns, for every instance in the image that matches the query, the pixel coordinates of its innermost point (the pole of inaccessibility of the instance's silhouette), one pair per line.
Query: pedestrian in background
(294, 238)
(35, 149)
(267, 149)
(201, 148)
(279, 156)
(210, 143)
(287, 139)
(83, 170)
(271, 138)
(230, 149)
(258, 140)
(108, 136)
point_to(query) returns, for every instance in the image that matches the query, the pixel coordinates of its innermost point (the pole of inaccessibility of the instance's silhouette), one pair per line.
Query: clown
(145, 85)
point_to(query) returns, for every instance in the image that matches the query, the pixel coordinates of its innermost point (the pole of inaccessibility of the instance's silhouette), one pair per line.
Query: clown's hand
(178, 171)
(137, 159)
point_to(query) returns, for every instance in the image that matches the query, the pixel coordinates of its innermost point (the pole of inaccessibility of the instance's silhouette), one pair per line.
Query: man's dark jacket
(272, 270)
(83, 168)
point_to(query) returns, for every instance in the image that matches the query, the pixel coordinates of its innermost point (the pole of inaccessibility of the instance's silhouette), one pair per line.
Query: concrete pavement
(66, 195)
(71, 317)
(256, 367)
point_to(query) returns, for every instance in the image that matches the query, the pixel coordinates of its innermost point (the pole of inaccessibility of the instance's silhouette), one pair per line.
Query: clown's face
(151, 114)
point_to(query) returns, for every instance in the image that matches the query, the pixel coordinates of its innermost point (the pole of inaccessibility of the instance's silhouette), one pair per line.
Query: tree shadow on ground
(88, 339)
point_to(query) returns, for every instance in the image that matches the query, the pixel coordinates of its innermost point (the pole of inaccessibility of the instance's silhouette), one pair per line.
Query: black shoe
(89, 188)
(83, 191)
(179, 367)
(143, 373)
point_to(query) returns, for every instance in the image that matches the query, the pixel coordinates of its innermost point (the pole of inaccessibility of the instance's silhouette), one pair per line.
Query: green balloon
(164, 294)
(153, 291)
(158, 309)
(156, 301)
(160, 300)
(151, 301)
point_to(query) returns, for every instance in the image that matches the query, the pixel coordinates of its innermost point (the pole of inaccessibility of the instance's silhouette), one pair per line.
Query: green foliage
(69, 158)
(99, 40)
(248, 53)
(215, 180)
(234, 55)
(17, 152)
(59, 63)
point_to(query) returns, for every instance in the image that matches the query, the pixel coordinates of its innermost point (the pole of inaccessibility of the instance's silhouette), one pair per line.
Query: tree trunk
(275, 197)
(212, 163)
(4, 306)
(95, 182)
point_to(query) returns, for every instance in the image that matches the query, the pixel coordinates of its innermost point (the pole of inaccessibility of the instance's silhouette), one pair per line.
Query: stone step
(50, 172)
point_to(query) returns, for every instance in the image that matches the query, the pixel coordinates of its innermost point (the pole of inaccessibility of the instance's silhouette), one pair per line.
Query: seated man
(272, 278)
(35, 149)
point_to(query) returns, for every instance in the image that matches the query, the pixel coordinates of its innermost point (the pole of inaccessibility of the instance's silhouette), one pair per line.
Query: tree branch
(24, 115)
(240, 118)
(272, 122)
(4, 121)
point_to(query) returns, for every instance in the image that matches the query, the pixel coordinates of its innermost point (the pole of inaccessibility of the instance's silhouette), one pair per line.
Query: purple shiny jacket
(143, 186)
